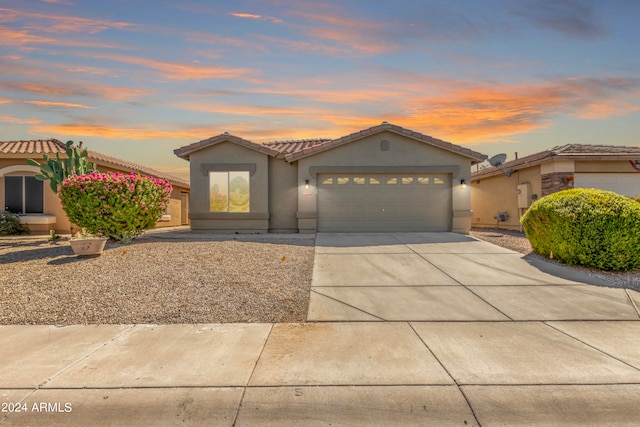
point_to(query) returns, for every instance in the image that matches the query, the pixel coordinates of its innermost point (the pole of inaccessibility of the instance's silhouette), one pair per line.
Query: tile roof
(114, 162)
(297, 149)
(568, 151)
(289, 147)
(38, 146)
(53, 146)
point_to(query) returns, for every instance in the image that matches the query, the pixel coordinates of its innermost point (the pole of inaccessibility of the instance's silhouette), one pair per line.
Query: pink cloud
(182, 71)
(57, 104)
(19, 120)
(63, 24)
(23, 37)
(367, 37)
(245, 15)
(76, 89)
(256, 16)
(118, 133)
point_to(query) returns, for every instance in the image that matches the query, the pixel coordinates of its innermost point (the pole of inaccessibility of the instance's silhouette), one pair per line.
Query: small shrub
(587, 227)
(114, 205)
(10, 224)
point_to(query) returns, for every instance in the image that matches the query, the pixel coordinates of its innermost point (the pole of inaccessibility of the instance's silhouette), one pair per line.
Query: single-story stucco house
(384, 178)
(500, 201)
(38, 206)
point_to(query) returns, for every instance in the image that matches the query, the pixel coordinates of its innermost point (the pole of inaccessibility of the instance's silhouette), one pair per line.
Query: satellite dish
(498, 161)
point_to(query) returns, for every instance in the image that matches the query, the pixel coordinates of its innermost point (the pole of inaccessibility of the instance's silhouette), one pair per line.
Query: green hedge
(587, 227)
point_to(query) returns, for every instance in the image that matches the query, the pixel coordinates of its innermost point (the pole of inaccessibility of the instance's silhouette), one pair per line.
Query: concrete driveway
(450, 277)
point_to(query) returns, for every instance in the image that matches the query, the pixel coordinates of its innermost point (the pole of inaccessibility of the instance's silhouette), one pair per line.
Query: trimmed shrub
(587, 227)
(10, 224)
(114, 205)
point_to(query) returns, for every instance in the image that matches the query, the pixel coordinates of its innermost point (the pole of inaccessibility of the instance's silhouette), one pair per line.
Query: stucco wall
(283, 196)
(368, 152)
(498, 194)
(217, 158)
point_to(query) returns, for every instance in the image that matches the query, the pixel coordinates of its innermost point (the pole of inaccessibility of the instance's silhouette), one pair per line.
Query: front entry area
(384, 202)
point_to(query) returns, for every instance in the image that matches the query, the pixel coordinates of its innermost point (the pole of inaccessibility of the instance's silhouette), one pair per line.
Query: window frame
(25, 199)
(230, 176)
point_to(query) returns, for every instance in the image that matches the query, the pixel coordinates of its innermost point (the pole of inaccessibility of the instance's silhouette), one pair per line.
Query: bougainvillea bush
(114, 205)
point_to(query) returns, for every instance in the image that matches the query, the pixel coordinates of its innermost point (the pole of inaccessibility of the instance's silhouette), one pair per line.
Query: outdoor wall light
(306, 184)
(463, 184)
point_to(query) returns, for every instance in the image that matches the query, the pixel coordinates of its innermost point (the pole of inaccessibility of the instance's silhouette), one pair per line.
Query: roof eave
(552, 157)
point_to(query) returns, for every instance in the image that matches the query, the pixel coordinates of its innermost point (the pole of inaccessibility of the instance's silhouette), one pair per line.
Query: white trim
(18, 168)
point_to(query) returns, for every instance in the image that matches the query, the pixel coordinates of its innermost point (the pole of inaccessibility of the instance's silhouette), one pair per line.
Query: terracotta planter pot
(88, 248)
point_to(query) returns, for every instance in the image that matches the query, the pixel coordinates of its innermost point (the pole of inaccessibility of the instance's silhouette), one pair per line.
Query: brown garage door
(384, 202)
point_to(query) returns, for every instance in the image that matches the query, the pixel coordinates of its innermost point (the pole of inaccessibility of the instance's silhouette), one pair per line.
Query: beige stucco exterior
(493, 193)
(54, 218)
(283, 186)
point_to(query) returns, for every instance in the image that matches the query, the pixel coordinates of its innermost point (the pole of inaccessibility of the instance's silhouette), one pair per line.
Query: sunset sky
(136, 79)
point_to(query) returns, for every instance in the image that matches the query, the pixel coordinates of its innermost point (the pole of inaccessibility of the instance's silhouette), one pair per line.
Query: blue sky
(137, 79)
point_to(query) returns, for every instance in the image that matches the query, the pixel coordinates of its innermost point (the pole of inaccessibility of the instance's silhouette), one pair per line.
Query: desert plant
(10, 224)
(114, 205)
(587, 227)
(57, 170)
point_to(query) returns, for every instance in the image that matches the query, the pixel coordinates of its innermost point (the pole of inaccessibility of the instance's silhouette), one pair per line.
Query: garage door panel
(627, 184)
(383, 202)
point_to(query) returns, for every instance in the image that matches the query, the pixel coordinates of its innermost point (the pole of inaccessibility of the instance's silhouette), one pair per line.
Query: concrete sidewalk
(466, 348)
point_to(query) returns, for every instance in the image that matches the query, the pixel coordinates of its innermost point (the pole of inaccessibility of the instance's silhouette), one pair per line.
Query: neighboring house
(39, 207)
(500, 201)
(385, 178)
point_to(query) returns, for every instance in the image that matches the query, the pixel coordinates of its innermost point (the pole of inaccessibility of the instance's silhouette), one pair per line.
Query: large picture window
(23, 195)
(229, 191)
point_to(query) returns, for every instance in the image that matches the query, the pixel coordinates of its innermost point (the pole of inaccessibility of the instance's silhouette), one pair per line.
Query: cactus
(57, 170)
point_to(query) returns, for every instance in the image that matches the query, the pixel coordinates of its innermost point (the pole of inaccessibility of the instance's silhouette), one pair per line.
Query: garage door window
(374, 181)
(229, 191)
(327, 181)
(438, 181)
(343, 180)
(392, 181)
(424, 180)
(406, 180)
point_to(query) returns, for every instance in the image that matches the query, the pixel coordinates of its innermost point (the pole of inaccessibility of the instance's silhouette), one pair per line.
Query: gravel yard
(180, 279)
(517, 241)
(157, 280)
